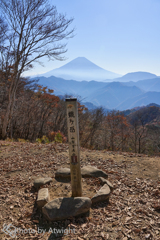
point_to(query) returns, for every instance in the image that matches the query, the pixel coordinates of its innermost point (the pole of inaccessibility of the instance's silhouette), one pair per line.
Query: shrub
(44, 140)
(57, 137)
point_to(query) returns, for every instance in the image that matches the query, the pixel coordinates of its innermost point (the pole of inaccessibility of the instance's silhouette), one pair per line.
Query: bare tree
(94, 120)
(138, 121)
(35, 30)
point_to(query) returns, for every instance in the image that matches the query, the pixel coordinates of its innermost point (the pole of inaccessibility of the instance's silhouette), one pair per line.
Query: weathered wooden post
(74, 151)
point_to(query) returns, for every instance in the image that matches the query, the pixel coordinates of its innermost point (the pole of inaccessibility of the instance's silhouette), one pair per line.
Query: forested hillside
(39, 115)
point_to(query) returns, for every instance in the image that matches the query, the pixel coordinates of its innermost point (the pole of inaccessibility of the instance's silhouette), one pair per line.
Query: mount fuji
(81, 69)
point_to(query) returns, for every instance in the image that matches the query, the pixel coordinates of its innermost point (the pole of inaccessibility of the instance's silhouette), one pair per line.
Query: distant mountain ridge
(81, 69)
(147, 85)
(135, 76)
(132, 90)
(112, 95)
(141, 100)
(71, 87)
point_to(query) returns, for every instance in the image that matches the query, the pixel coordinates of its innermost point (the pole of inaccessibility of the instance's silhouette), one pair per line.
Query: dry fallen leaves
(133, 211)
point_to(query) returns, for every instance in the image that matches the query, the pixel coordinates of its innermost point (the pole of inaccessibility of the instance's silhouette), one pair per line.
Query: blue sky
(118, 35)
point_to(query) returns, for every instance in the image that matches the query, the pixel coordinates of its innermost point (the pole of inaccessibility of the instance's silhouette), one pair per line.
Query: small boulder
(43, 197)
(42, 181)
(63, 173)
(89, 171)
(63, 208)
(101, 195)
(105, 181)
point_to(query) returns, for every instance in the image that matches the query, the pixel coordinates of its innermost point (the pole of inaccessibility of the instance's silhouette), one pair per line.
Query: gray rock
(101, 195)
(63, 208)
(63, 173)
(41, 181)
(105, 181)
(89, 171)
(43, 197)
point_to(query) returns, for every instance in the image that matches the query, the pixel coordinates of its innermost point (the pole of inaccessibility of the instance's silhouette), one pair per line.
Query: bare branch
(30, 30)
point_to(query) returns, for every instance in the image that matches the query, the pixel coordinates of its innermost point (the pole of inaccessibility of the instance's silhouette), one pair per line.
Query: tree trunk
(139, 150)
(10, 106)
(135, 139)
(8, 115)
(5, 122)
(122, 139)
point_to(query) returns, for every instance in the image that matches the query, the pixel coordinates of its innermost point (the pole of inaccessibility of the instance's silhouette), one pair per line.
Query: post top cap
(71, 99)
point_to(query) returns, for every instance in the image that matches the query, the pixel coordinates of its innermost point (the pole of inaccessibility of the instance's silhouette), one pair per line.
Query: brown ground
(133, 211)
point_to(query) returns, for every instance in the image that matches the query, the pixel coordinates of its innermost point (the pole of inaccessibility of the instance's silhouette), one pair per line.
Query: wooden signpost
(74, 151)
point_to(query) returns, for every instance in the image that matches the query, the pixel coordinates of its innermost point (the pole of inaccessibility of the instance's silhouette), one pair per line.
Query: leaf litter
(133, 211)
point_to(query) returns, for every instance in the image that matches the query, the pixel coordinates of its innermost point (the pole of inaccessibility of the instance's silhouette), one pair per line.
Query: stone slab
(63, 173)
(90, 171)
(63, 208)
(105, 181)
(102, 195)
(38, 182)
(43, 197)
(86, 171)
